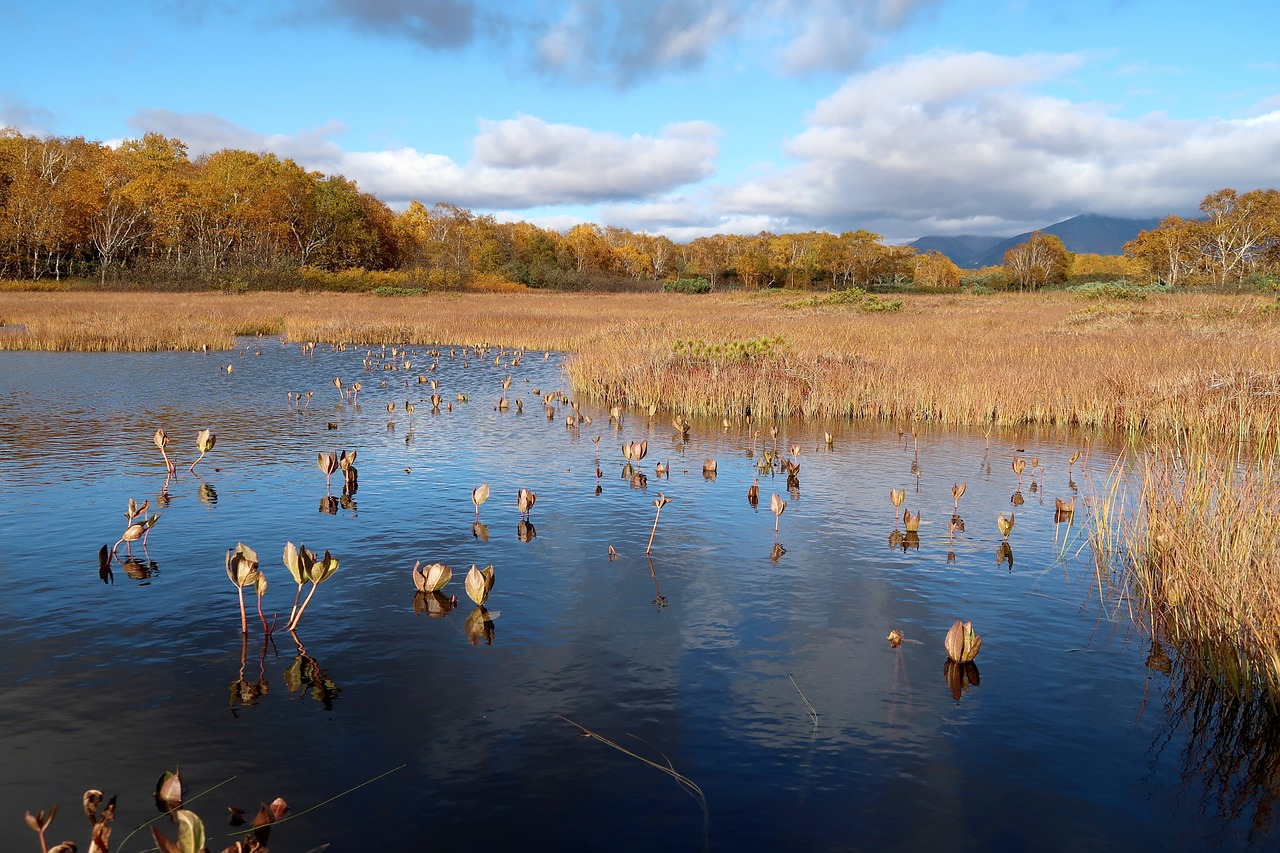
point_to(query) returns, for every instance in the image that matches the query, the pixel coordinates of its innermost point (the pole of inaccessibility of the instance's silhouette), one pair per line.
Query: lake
(754, 665)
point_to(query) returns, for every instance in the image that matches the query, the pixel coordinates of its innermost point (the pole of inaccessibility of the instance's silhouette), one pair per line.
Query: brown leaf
(92, 799)
(262, 824)
(169, 791)
(279, 807)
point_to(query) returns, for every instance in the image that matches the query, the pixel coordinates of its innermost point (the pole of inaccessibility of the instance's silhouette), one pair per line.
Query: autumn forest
(146, 214)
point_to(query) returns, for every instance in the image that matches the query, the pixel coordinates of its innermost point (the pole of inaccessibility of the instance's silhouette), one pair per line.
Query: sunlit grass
(1154, 367)
(1195, 541)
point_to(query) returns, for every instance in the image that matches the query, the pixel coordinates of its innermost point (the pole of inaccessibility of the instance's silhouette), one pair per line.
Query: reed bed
(1155, 367)
(1198, 548)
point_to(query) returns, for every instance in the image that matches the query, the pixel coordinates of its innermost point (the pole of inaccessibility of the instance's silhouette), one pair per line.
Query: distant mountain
(1088, 233)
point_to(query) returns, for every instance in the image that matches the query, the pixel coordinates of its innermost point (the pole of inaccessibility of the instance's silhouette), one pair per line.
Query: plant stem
(294, 620)
(244, 619)
(653, 532)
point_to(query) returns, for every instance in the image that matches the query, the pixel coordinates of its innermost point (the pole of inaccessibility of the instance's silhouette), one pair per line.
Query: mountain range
(1088, 233)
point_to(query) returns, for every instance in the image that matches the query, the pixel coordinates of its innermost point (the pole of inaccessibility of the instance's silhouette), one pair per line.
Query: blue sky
(688, 117)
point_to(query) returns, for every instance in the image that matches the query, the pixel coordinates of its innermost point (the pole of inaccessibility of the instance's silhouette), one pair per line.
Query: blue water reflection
(702, 655)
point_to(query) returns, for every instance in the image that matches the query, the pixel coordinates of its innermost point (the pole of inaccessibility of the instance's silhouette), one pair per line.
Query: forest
(146, 214)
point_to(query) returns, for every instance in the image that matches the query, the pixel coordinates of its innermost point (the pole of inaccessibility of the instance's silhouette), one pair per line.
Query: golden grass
(1166, 364)
(1201, 549)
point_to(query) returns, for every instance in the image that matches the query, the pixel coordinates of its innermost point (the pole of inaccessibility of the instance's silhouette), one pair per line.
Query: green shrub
(1118, 289)
(853, 297)
(687, 285)
(746, 350)
(389, 290)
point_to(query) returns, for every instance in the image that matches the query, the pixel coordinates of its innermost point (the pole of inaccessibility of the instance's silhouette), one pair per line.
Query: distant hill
(1088, 233)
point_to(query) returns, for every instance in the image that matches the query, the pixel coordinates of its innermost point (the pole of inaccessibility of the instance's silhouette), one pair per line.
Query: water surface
(703, 657)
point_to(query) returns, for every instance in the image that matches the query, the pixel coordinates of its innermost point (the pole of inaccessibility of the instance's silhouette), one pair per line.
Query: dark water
(703, 658)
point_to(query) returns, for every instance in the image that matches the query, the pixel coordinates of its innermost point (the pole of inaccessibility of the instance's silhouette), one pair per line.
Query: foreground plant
(962, 643)
(479, 495)
(205, 441)
(242, 570)
(479, 583)
(431, 578)
(305, 566)
(161, 440)
(1199, 547)
(134, 529)
(328, 463)
(779, 506)
(525, 501)
(659, 502)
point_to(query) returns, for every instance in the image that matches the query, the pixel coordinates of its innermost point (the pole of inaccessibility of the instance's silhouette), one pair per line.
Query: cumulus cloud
(205, 133)
(526, 162)
(967, 135)
(517, 163)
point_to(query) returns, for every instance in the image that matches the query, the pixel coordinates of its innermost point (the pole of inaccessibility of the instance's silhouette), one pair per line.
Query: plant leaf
(293, 562)
(169, 791)
(190, 831)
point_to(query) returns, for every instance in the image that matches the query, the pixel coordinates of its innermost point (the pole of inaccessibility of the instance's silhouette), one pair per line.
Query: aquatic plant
(328, 463)
(779, 506)
(1193, 533)
(896, 497)
(635, 451)
(204, 443)
(1005, 524)
(431, 578)
(161, 440)
(1064, 511)
(957, 492)
(962, 643)
(242, 570)
(911, 522)
(136, 530)
(479, 495)
(350, 474)
(659, 502)
(479, 583)
(525, 501)
(305, 566)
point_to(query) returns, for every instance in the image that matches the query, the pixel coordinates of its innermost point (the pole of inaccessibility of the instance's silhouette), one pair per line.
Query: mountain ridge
(1087, 233)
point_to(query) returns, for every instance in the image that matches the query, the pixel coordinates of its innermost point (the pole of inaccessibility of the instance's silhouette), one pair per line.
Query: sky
(687, 117)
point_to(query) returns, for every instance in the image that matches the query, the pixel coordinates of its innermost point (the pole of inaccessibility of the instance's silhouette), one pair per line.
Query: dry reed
(1164, 365)
(1199, 550)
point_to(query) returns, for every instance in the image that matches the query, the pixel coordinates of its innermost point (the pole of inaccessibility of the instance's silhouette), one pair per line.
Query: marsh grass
(1197, 546)
(1163, 365)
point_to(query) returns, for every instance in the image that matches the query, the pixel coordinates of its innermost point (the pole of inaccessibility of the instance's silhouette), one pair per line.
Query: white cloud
(522, 162)
(962, 138)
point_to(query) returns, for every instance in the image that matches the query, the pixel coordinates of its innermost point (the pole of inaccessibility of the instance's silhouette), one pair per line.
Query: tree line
(145, 212)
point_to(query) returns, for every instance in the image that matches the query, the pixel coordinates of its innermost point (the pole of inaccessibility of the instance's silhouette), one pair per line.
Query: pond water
(756, 666)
